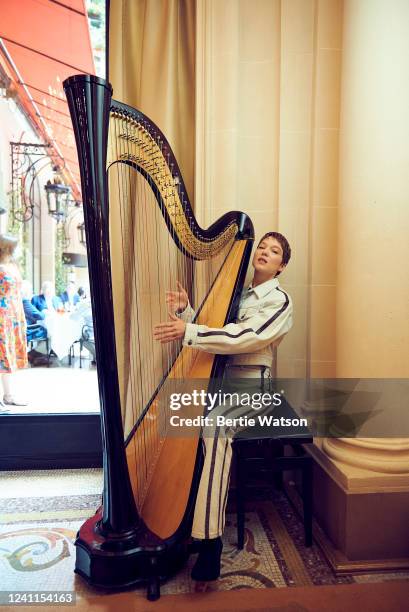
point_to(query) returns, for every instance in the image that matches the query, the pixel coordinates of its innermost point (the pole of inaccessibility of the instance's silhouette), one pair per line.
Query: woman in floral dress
(13, 343)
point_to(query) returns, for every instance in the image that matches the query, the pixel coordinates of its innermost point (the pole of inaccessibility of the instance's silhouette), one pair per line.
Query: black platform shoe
(207, 566)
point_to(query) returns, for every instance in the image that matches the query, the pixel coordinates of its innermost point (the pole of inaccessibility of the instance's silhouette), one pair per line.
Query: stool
(262, 455)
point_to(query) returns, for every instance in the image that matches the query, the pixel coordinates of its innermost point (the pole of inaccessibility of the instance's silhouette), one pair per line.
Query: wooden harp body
(142, 236)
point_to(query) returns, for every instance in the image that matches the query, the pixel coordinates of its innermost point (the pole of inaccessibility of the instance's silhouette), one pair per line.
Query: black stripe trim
(226, 495)
(226, 446)
(210, 484)
(230, 433)
(215, 441)
(249, 329)
(277, 314)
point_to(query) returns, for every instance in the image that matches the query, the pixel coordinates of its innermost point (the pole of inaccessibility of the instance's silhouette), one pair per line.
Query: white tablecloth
(63, 329)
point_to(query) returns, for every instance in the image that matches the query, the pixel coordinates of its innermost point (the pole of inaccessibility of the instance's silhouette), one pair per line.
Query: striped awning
(42, 42)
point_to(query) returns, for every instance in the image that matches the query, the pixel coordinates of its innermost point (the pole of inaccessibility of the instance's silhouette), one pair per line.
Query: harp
(142, 236)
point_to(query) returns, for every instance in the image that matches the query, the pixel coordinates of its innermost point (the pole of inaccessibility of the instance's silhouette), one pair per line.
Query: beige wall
(373, 278)
(267, 128)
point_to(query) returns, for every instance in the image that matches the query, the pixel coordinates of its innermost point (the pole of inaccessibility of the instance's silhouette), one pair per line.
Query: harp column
(89, 99)
(365, 481)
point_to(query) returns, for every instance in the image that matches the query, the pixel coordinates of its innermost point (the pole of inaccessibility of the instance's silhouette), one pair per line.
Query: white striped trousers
(210, 507)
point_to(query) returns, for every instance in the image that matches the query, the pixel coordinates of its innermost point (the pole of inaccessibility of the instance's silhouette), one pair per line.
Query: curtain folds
(152, 68)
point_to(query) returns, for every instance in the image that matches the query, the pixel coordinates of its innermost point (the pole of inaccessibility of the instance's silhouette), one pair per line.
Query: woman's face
(268, 257)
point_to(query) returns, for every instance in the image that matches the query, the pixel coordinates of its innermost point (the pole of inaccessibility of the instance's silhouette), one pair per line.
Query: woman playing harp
(264, 317)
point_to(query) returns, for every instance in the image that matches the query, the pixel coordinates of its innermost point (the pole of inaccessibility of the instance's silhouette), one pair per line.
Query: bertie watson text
(256, 401)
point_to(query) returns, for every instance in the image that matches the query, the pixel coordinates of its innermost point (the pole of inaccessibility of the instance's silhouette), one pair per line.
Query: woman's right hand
(177, 300)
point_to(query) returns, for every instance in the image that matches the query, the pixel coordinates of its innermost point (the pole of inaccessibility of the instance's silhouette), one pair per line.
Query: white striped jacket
(264, 317)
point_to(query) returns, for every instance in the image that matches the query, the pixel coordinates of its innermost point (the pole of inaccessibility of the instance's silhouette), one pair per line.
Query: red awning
(44, 42)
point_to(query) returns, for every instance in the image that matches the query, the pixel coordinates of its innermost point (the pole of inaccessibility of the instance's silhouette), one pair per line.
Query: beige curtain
(152, 68)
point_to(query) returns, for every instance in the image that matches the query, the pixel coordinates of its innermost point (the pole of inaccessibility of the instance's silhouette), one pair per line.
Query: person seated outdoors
(33, 315)
(47, 300)
(82, 294)
(84, 314)
(70, 297)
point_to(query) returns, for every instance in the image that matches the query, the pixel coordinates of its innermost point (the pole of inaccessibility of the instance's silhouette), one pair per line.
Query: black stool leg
(153, 590)
(240, 497)
(277, 450)
(278, 481)
(307, 500)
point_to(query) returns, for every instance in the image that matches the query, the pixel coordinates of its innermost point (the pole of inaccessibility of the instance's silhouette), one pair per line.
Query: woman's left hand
(170, 331)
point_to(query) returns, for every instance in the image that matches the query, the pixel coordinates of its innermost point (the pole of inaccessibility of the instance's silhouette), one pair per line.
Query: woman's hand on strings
(170, 331)
(177, 300)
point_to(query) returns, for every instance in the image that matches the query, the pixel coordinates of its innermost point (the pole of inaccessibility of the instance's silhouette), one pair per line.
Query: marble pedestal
(363, 513)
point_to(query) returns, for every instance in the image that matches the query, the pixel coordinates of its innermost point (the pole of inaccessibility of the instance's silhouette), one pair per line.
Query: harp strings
(146, 263)
(131, 382)
(138, 206)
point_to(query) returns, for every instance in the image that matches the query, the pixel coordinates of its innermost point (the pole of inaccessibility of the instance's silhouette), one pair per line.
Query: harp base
(120, 564)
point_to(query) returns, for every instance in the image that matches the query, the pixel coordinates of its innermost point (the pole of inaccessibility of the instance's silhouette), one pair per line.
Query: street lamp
(57, 199)
(81, 232)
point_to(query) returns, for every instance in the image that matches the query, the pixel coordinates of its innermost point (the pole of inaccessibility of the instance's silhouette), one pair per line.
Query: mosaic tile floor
(37, 540)
(41, 556)
(49, 483)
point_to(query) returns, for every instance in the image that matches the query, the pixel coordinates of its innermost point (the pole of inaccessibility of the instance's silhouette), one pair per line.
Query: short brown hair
(7, 245)
(283, 243)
